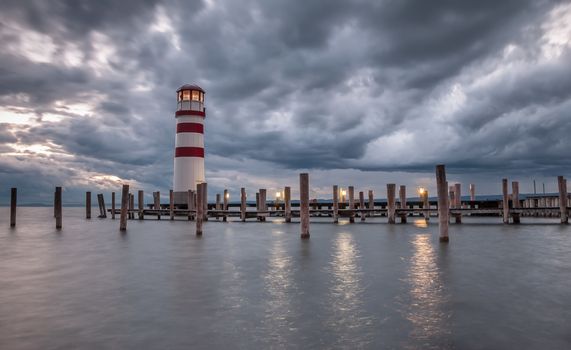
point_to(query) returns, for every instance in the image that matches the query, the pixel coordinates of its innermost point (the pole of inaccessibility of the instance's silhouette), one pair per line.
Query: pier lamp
(278, 196)
(227, 195)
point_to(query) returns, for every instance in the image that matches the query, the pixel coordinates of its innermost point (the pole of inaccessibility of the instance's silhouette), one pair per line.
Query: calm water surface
(257, 285)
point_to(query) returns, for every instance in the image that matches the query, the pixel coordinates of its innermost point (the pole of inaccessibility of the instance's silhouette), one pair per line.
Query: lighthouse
(189, 141)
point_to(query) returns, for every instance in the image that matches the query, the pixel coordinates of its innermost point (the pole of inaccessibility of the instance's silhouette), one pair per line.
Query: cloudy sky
(354, 92)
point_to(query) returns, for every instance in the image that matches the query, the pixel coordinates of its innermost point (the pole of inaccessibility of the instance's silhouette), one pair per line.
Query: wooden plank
(442, 192)
(304, 204)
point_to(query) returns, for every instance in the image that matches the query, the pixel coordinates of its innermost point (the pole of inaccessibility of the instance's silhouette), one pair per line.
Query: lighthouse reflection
(426, 310)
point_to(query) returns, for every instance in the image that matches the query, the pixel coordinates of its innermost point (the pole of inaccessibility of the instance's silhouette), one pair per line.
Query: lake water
(258, 286)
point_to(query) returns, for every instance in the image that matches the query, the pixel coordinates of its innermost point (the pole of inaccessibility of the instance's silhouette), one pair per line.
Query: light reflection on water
(346, 294)
(280, 287)
(426, 310)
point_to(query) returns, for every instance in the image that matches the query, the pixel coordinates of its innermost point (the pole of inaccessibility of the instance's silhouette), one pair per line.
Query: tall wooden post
(362, 204)
(102, 210)
(190, 203)
(58, 208)
(351, 193)
(113, 205)
(243, 204)
(141, 204)
(287, 203)
(258, 206)
(199, 208)
(371, 202)
(157, 204)
(391, 202)
(335, 204)
(218, 205)
(472, 192)
(13, 205)
(205, 200)
(426, 205)
(225, 205)
(131, 206)
(263, 205)
(442, 191)
(402, 200)
(458, 199)
(171, 204)
(505, 202)
(515, 201)
(562, 185)
(88, 205)
(124, 206)
(304, 204)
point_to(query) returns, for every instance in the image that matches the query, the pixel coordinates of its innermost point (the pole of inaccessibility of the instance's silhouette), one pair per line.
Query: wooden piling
(225, 205)
(304, 204)
(426, 205)
(362, 204)
(13, 206)
(124, 206)
(58, 208)
(263, 206)
(131, 206)
(243, 204)
(113, 205)
(562, 185)
(218, 204)
(505, 202)
(472, 192)
(442, 191)
(190, 203)
(371, 202)
(171, 204)
(88, 205)
(402, 200)
(199, 208)
(157, 204)
(101, 201)
(391, 202)
(515, 201)
(287, 203)
(335, 204)
(205, 201)
(351, 193)
(458, 199)
(141, 204)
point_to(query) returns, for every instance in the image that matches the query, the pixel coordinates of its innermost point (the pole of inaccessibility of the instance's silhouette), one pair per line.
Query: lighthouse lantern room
(189, 141)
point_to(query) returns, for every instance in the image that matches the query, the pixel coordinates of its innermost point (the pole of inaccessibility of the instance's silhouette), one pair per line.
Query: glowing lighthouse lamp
(189, 141)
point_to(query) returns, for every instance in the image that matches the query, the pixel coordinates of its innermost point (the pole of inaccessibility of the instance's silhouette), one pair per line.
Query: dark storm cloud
(373, 85)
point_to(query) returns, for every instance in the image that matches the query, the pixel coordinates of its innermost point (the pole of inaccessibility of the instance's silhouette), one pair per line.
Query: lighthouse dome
(190, 87)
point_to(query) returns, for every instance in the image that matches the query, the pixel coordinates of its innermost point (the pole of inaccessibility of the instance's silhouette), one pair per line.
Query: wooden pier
(449, 204)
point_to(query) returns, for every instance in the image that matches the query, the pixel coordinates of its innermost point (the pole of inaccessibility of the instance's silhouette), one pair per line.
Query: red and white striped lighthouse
(189, 151)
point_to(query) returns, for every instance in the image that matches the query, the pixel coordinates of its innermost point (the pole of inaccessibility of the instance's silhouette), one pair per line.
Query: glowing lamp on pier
(189, 141)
